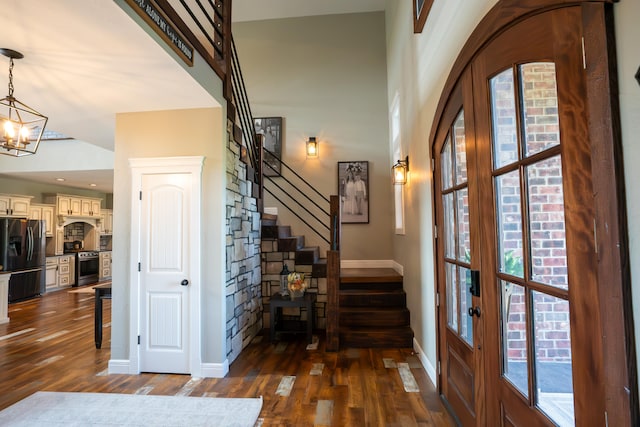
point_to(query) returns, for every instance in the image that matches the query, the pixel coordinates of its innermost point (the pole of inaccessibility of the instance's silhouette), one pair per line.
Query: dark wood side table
(278, 302)
(102, 292)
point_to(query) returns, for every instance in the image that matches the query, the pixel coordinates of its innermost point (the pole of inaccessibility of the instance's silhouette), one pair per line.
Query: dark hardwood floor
(48, 345)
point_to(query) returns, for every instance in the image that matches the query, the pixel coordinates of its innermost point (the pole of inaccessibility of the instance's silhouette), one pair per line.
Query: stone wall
(243, 270)
(272, 264)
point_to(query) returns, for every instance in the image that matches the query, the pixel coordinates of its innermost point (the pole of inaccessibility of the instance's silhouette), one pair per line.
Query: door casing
(166, 165)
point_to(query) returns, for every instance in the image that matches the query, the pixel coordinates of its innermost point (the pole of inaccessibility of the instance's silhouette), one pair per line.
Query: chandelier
(22, 126)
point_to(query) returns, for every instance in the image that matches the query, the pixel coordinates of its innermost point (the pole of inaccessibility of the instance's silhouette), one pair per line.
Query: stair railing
(291, 190)
(333, 278)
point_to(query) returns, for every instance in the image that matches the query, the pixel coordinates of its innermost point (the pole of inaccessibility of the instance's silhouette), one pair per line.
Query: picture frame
(271, 128)
(420, 12)
(353, 189)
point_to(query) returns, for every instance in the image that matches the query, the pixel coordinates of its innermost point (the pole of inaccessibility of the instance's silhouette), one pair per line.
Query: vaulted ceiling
(86, 60)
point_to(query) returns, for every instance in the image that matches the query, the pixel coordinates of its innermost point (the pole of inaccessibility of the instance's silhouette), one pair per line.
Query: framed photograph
(271, 129)
(420, 11)
(353, 188)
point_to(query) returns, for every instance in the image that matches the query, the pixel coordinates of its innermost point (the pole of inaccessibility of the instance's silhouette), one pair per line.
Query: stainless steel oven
(87, 267)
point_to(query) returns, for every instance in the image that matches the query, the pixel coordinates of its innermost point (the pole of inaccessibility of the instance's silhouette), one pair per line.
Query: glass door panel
(515, 366)
(531, 248)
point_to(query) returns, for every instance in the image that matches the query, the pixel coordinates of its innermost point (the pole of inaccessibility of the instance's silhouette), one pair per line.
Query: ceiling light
(93, 185)
(60, 179)
(19, 121)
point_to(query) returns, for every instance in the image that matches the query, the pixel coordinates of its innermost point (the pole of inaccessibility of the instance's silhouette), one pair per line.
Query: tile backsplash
(74, 231)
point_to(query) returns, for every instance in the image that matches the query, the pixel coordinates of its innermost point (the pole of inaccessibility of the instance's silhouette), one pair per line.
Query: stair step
(290, 244)
(319, 268)
(308, 255)
(275, 231)
(374, 286)
(361, 337)
(372, 298)
(269, 217)
(369, 275)
(374, 317)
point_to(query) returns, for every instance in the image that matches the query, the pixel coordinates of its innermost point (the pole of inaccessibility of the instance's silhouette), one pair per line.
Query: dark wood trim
(504, 14)
(172, 15)
(420, 16)
(616, 310)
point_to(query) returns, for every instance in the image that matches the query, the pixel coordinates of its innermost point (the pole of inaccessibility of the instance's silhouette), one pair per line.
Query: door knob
(185, 282)
(474, 311)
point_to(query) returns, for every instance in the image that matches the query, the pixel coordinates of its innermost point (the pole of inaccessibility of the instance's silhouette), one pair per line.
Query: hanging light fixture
(400, 171)
(22, 126)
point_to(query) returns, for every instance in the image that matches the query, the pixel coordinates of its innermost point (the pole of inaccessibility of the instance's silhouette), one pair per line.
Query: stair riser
(290, 244)
(366, 340)
(373, 300)
(384, 286)
(375, 319)
(307, 256)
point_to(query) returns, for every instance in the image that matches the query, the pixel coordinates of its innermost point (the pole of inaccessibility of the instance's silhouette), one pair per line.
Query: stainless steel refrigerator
(22, 251)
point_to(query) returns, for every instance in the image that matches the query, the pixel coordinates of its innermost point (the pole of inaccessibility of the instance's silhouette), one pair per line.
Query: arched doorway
(529, 330)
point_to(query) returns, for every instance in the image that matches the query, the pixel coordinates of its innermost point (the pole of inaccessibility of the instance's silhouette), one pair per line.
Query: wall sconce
(400, 171)
(312, 148)
(20, 123)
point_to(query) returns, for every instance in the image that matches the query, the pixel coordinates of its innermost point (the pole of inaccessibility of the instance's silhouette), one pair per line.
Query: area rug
(109, 409)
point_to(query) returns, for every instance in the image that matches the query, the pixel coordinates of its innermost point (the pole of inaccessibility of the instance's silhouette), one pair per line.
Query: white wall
(627, 16)
(196, 132)
(326, 75)
(417, 68)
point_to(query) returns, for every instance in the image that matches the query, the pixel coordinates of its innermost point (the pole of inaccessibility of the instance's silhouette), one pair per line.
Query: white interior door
(165, 275)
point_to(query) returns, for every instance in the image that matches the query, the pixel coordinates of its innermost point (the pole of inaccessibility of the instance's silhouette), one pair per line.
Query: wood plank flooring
(48, 345)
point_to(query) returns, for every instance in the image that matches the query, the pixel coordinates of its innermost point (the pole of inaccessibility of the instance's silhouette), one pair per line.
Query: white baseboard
(431, 370)
(371, 263)
(118, 366)
(208, 370)
(215, 370)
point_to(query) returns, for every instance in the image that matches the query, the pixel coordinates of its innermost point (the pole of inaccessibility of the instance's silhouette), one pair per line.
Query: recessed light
(92, 185)
(60, 179)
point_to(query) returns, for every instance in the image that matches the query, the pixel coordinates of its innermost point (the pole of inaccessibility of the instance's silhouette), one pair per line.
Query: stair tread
(374, 330)
(371, 275)
(360, 309)
(370, 291)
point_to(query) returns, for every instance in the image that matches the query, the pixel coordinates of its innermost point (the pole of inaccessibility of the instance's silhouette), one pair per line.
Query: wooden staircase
(287, 243)
(373, 309)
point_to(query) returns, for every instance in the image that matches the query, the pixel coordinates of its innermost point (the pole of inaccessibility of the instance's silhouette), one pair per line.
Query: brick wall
(543, 180)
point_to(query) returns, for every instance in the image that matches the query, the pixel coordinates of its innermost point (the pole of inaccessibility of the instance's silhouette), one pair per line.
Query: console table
(278, 302)
(102, 292)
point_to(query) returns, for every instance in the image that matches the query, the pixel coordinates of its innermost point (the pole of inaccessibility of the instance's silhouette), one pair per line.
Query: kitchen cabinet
(106, 222)
(51, 275)
(105, 265)
(69, 205)
(90, 207)
(44, 212)
(66, 273)
(59, 241)
(60, 272)
(14, 206)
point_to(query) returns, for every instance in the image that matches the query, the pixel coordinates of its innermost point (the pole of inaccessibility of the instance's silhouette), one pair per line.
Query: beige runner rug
(110, 409)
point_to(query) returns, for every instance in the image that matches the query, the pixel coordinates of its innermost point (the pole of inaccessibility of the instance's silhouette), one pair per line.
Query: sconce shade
(400, 171)
(22, 126)
(312, 148)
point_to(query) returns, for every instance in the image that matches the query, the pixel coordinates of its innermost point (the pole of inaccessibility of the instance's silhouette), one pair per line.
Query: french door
(520, 333)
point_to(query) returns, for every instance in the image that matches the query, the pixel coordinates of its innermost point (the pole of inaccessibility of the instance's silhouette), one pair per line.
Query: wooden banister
(333, 277)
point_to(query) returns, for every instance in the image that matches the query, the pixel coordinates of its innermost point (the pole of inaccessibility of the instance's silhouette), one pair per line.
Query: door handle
(474, 311)
(185, 282)
(474, 289)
